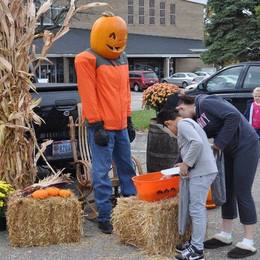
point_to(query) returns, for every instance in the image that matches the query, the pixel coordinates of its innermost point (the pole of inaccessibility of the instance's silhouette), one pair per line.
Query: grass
(141, 119)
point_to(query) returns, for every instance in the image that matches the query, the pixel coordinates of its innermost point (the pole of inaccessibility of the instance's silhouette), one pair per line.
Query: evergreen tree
(232, 31)
(257, 10)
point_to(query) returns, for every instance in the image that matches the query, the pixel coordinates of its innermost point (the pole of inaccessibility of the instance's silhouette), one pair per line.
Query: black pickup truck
(58, 102)
(234, 83)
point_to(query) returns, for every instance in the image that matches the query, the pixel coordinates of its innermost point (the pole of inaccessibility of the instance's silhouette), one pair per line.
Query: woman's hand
(183, 168)
(215, 147)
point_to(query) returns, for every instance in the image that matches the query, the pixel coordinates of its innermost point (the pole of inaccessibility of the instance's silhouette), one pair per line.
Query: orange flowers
(155, 96)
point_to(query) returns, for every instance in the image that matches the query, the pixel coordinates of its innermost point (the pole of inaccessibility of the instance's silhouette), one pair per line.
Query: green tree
(257, 10)
(232, 31)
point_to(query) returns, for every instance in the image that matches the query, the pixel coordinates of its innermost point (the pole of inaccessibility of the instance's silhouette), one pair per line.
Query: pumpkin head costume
(103, 76)
(103, 84)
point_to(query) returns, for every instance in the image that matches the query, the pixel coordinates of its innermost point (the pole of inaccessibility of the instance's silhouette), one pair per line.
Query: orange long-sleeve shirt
(104, 89)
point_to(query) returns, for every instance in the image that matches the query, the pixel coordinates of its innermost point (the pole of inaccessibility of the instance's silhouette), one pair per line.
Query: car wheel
(164, 81)
(184, 84)
(136, 88)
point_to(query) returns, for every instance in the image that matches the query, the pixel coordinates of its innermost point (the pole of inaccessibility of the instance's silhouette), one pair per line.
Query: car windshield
(150, 75)
(226, 79)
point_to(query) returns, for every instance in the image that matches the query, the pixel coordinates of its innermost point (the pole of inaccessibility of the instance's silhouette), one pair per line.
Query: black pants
(240, 169)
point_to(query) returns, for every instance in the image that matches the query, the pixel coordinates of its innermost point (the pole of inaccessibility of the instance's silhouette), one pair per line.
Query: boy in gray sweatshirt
(199, 165)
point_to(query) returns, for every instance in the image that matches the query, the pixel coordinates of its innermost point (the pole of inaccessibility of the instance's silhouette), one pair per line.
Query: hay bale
(33, 222)
(151, 226)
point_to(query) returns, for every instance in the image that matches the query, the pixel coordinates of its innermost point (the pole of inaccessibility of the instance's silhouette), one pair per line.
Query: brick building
(164, 35)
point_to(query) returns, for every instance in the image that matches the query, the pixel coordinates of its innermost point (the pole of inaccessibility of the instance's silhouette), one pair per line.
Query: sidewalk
(97, 246)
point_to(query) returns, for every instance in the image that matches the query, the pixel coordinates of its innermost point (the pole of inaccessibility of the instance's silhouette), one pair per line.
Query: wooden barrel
(162, 148)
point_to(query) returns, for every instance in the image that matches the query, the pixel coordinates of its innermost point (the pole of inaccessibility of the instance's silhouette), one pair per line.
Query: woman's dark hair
(171, 102)
(187, 100)
(167, 114)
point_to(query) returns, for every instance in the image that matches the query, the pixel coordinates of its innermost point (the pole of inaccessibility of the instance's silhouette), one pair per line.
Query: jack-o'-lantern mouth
(114, 48)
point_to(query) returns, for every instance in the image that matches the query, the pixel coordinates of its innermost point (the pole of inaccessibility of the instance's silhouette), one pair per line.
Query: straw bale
(150, 226)
(33, 222)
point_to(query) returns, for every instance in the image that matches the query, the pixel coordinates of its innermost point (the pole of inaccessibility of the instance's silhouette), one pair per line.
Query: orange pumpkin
(108, 36)
(65, 193)
(53, 191)
(40, 194)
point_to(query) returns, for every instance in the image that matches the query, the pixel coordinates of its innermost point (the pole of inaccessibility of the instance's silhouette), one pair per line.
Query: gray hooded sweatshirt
(195, 148)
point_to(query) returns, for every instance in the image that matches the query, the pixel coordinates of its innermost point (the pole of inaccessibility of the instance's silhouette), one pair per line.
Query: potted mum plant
(162, 148)
(155, 96)
(5, 190)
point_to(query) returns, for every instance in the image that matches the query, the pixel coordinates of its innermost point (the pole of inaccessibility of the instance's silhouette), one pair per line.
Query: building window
(51, 72)
(59, 70)
(172, 13)
(162, 12)
(72, 72)
(151, 12)
(141, 11)
(130, 12)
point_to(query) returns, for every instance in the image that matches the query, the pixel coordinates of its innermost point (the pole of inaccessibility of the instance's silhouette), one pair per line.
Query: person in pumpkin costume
(103, 84)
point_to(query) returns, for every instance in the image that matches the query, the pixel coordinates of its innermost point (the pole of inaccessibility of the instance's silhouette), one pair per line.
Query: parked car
(195, 83)
(198, 79)
(58, 102)
(203, 73)
(181, 79)
(140, 80)
(235, 83)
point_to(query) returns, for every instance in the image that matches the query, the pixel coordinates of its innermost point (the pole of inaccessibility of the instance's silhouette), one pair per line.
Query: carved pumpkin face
(108, 36)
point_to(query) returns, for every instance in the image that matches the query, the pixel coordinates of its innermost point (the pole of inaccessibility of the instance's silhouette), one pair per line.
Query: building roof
(203, 2)
(77, 40)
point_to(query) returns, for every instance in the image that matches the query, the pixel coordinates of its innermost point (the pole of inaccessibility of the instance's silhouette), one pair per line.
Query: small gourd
(40, 194)
(65, 193)
(53, 191)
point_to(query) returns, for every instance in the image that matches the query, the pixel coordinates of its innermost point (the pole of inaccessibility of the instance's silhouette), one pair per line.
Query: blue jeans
(118, 150)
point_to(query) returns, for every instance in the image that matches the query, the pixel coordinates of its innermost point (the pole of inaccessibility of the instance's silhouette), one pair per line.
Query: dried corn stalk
(17, 138)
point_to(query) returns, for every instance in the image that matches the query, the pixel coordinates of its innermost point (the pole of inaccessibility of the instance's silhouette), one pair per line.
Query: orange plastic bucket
(152, 186)
(210, 203)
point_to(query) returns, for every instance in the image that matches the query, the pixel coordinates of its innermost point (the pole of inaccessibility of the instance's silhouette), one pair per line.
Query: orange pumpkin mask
(108, 36)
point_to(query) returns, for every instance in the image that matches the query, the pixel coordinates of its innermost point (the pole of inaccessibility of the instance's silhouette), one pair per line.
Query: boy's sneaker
(181, 247)
(190, 253)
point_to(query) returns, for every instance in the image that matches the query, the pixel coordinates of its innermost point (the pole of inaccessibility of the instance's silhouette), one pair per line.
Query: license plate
(61, 148)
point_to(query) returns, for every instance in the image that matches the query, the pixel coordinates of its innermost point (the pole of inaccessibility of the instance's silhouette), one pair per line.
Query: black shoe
(181, 247)
(214, 243)
(241, 251)
(105, 227)
(190, 253)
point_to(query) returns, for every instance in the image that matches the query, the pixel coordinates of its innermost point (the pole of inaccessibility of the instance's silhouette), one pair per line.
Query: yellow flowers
(155, 96)
(5, 190)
